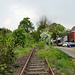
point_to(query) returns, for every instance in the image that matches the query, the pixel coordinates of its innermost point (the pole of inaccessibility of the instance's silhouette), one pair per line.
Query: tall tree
(57, 30)
(43, 23)
(52, 27)
(27, 25)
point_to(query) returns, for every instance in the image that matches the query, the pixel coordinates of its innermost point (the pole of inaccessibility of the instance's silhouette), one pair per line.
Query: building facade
(71, 35)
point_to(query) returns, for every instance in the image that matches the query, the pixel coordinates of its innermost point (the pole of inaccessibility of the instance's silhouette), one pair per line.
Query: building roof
(73, 29)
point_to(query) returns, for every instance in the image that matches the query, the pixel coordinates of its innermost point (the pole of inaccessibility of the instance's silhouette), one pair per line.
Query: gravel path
(21, 61)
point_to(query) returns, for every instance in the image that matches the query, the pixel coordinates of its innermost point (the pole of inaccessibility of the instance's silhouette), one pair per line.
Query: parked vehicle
(60, 44)
(65, 44)
(71, 44)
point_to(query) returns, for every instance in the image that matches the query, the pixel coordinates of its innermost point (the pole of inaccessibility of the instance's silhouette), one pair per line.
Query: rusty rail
(26, 63)
(50, 69)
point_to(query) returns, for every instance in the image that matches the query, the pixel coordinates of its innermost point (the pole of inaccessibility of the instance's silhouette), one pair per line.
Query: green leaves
(43, 23)
(27, 25)
(57, 31)
(19, 37)
(3, 67)
(36, 35)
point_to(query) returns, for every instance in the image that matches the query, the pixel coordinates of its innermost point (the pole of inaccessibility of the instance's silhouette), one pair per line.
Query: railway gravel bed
(36, 66)
(20, 61)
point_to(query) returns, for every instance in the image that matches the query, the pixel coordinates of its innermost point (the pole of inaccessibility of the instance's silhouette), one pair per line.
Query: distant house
(71, 35)
(63, 39)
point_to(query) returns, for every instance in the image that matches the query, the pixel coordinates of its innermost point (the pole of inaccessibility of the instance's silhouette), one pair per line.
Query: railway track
(36, 66)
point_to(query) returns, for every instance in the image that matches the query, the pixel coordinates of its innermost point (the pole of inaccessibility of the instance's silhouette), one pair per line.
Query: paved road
(69, 51)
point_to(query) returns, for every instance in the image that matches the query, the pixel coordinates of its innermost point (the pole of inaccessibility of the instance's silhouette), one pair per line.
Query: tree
(7, 30)
(57, 31)
(43, 23)
(26, 24)
(46, 35)
(19, 36)
(52, 27)
(36, 35)
(64, 33)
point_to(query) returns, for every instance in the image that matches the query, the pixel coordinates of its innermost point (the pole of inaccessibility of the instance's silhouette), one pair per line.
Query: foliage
(3, 49)
(65, 32)
(28, 40)
(57, 59)
(9, 38)
(20, 51)
(10, 55)
(1, 41)
(7, 30)
(58, 30)
(4, 37)
(36, 35)
(52, 27)
(41, 44)
(3, 69)
(43, 23)
(7, 56)
(26, 24)
(19, 37)
(45, 36)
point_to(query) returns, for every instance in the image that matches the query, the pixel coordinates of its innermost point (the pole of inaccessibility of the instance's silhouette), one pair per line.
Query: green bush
(3, 69)
(19, 37)
(41, 43)
(20, 51)
(7, 56)
(10, 55)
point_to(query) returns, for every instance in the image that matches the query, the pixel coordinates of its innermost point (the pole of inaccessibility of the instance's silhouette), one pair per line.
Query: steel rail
(50, 69)
(26, 63)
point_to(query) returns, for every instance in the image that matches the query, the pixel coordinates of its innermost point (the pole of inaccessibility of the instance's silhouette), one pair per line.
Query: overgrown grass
(58, 59)
(20, 51)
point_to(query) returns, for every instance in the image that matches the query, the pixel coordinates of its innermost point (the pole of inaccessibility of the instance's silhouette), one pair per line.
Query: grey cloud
(60, 11)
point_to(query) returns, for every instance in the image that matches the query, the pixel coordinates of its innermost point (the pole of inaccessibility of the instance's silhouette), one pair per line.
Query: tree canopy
(26, 24)
(43, 23)
(57, 30)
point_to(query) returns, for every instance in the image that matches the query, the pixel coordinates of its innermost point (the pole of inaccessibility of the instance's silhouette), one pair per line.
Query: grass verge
(20, 51)
(61, 62)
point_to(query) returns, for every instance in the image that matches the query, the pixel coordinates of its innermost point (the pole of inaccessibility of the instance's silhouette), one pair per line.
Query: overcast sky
(59, 11)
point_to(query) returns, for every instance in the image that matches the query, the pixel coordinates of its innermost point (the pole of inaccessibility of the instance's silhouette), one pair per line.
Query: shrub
(41, 44)
(19, 37)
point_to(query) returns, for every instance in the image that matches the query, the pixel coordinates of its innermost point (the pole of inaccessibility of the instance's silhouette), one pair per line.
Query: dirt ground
(20, 61)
